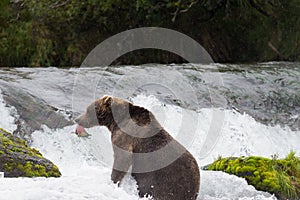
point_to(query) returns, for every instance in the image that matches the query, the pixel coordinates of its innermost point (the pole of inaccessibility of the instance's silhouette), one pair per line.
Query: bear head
(97, 113)
(110, 110)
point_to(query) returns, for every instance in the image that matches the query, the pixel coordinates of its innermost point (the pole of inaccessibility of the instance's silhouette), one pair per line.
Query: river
(215, 109)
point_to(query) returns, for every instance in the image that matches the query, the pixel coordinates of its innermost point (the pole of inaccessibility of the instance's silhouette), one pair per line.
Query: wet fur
(179, 180)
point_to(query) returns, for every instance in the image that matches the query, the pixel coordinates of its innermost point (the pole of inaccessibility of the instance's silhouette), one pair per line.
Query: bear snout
(77, 120)
(80, 120)
(86, 121)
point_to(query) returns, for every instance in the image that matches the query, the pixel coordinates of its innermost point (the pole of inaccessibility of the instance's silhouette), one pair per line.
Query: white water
(86, 163)
(7, 121)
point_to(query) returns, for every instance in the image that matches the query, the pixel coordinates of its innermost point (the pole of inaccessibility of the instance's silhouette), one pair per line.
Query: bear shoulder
(140, 115)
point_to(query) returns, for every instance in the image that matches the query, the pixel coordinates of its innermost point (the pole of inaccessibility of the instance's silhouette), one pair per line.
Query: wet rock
(17, 159)
(32, 112)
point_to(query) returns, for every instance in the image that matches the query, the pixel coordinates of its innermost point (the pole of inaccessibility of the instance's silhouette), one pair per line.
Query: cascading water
(260, 117)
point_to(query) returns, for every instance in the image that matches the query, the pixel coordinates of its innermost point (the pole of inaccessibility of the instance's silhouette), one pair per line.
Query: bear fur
(139, 141)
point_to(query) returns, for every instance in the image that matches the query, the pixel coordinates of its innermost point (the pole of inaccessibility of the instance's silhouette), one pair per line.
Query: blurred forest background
(62, 32)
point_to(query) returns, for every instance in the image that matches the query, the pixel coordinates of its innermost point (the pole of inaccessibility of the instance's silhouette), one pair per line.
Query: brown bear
(162, 167)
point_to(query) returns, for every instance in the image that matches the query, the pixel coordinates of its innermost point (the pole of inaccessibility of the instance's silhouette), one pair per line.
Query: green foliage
(277, 176)
(62, 33)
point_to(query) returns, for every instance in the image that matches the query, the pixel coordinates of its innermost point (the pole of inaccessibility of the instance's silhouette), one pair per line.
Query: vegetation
(19, 160)
(276, 176)
(62, 32)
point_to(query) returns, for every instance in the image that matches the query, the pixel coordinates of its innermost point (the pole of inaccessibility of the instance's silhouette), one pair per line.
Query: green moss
(41, 170)
(8, 167)
(277, 176)
(37, 153)
(54, 172)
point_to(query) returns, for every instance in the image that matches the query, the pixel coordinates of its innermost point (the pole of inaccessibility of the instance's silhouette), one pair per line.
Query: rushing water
(228, 110)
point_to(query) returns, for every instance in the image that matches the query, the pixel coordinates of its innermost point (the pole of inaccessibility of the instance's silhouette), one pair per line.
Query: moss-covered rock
(276, 176)
(19, 160)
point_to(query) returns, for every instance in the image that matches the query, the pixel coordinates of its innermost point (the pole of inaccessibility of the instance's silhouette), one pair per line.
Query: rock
(276, 176)
(19, 160)
(32, 112)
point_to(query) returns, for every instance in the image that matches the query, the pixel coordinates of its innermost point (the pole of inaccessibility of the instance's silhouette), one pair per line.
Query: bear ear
(107, 100)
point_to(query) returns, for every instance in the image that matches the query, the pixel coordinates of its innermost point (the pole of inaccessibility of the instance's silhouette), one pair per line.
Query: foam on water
(240, 134)
(7, 121)
(86, 163)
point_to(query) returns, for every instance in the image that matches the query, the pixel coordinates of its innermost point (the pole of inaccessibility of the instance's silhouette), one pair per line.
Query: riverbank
(62, 33)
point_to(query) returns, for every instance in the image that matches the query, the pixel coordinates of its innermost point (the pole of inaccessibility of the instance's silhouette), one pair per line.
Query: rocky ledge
(17, 159)
(276, 176)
